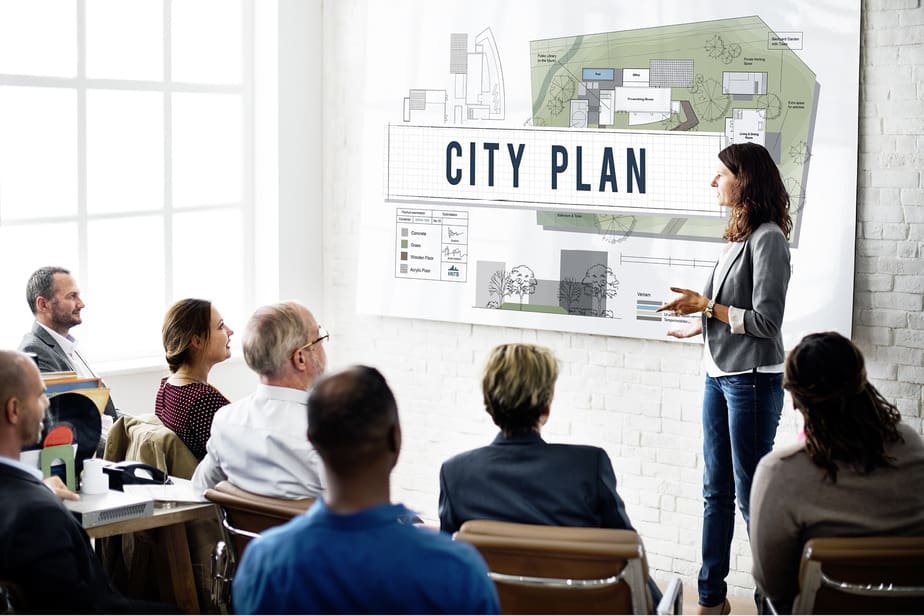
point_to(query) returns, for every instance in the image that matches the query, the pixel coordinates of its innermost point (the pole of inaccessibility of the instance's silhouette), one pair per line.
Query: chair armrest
(672, 599)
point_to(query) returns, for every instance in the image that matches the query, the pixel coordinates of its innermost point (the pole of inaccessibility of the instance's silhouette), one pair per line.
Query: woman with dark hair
(859, 471)
(195, 339)
(742, 313)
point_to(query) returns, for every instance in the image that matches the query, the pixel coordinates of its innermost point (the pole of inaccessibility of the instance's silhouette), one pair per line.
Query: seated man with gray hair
(258, 443)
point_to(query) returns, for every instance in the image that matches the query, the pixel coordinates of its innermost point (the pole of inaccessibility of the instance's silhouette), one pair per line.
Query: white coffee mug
(93, 480)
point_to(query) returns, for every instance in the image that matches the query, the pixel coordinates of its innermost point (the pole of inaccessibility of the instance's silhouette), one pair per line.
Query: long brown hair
(760, 196)
(846, 419)
(185, 320)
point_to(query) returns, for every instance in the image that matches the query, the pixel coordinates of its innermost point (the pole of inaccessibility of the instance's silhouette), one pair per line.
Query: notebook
(111, 506)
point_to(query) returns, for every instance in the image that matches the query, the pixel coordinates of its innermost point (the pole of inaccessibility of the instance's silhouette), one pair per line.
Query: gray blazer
(50, 357)
(755, 279)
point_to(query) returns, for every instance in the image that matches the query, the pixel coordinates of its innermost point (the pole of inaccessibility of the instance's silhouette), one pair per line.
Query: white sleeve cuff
(736, 320)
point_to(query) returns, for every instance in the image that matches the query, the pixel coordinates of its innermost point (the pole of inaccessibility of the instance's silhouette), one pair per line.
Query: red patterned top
(188, 410)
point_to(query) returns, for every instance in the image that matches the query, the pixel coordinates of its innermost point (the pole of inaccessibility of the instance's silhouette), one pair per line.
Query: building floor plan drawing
(737, 77)
(553, 170)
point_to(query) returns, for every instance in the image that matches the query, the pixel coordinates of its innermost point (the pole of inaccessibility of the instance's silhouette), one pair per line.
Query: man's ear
(11, 410)
(298, 361)
(41, 304)
(394, 439)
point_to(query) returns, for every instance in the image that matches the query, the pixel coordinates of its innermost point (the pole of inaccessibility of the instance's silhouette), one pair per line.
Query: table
(174, 563)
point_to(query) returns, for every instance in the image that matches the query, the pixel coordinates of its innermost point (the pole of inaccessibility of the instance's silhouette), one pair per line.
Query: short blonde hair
(518, 385)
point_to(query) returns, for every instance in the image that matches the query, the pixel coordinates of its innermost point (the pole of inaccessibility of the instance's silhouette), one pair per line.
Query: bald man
(42, 547)
(355, 552)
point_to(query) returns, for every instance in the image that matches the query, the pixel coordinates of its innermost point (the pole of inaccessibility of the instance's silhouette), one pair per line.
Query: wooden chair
(244, 515)
(564, 570)
(861, 575)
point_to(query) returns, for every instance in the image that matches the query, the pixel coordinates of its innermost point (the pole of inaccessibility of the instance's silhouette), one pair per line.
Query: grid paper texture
(677, 169)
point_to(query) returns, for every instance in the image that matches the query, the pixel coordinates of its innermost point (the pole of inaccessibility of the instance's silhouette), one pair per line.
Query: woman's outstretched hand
(689, 302)
(693, 329)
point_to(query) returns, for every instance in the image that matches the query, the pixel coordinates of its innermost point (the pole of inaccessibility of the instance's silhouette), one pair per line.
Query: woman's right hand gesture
(693, 329)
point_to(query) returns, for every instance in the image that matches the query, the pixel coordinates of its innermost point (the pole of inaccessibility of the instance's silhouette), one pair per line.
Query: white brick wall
(640, 400)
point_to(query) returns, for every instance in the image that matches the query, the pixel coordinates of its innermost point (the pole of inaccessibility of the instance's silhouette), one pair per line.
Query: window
(126, 156)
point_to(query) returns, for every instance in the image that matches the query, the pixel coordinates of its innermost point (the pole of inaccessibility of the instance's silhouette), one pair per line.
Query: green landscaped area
(533, 308)
(741, 45)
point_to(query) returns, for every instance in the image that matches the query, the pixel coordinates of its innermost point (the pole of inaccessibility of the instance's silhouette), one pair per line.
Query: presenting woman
(859, 471)
(742, 313)
(195, 339)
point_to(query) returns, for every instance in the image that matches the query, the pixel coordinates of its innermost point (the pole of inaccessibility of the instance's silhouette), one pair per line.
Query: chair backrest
(245, 515)
(861, 575)
(559, 570)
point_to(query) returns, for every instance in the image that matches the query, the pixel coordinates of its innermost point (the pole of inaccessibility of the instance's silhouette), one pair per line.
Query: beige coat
(146, 439)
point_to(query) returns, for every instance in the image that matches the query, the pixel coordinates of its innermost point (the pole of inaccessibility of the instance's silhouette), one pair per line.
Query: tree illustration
(562, 87)
(561, 90)
(772, 103)
(522, 281)
(710, 103)
(569, 293)
(800, 152)
(731, 52)
(616, 228)
(498, 287)
(555, 105)
(715, 46)
(796, 194)
(600, 283)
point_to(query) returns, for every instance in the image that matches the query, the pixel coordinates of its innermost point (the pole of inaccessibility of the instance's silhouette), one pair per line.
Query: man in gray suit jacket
(54, 298)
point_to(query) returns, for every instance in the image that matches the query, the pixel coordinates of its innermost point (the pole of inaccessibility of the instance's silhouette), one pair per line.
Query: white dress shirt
(21, 466)
(260, 444)
(68, 344)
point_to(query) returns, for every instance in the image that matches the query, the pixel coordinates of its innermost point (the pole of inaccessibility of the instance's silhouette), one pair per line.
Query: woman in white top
(742, 313)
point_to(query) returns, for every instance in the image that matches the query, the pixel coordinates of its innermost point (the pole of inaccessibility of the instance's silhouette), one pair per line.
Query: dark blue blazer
(48, 554)
(524, 479)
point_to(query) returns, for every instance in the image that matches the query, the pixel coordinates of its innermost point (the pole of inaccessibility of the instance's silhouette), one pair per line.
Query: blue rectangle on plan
(598, 74)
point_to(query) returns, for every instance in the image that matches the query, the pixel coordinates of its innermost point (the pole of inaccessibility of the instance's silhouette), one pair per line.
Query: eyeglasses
(322, 335)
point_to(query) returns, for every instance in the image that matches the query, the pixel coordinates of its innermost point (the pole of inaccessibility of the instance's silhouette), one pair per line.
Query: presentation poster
(541, 165)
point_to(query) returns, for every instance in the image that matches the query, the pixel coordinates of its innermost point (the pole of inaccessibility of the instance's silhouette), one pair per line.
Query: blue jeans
(740, 416)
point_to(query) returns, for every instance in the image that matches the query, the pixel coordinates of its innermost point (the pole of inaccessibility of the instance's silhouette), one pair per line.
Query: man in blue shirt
(355, 552)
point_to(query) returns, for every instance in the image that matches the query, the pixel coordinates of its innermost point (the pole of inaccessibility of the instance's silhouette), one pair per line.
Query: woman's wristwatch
(709, 307)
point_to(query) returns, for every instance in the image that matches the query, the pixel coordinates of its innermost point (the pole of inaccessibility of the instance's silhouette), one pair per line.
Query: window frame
(82, 85)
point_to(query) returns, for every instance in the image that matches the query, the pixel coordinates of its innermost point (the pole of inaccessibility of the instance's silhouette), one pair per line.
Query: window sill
(141, 365)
